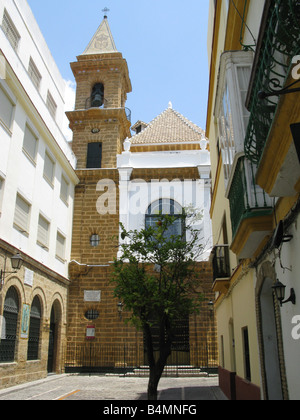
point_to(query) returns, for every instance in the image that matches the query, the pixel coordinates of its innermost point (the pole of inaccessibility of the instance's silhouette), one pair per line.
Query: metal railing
(220, 262)
(245, 197)
(91, 357)
(105, 105)
(280, 43)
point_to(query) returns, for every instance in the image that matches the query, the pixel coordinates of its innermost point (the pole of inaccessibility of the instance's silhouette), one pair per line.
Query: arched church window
(97, 96)
(9, 335)
(163, 207)
(34, 330)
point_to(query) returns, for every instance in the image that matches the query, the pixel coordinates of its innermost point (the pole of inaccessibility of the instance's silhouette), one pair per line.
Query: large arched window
(163, 207)
(9, 335)
(34, 330)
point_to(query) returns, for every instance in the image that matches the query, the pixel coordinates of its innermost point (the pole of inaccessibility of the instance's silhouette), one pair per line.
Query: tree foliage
(156, 280)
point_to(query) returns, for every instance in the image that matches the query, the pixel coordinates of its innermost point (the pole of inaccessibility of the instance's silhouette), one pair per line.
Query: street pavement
(113, 388)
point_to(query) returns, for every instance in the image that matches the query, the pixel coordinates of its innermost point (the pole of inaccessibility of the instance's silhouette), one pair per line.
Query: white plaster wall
(19, 173)
(289, 276)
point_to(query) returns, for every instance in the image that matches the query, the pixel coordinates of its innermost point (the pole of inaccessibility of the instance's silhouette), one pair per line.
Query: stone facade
(31, 281)
(95, 326)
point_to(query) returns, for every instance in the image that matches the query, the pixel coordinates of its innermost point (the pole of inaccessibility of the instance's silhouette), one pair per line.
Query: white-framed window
(230, 108)
(34, 74)
(6, 108)
(10, 30)
(49, 168)
(51, 105)
(43, 232)
(60, 246)
(22, 215)
(30, 143)
(64, 189)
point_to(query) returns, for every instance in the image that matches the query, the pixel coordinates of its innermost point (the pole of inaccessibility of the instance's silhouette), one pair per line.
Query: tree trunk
(153, 384)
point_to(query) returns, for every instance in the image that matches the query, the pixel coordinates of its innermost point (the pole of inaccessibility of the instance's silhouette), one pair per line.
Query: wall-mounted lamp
(279, 289)
(211, 306)
(16, 264)
(120, 307)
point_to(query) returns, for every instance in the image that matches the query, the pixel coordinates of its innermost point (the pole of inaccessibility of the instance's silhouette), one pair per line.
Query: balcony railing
(247, 200)
(220, 262)
(89, 103)
(280, 42)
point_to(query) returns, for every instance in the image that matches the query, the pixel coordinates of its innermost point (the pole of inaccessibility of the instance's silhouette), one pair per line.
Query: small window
(51, 105)
(43, 232)
(60, 246)
(22, 215)
(6, 108)
(49, 168)
(10, 31)
(64, 189)
(92, 314)
(34, 74)
(94, 156)
(95, 241)
(30, 143)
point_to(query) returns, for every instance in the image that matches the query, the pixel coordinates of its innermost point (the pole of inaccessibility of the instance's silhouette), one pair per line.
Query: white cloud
(70, 94)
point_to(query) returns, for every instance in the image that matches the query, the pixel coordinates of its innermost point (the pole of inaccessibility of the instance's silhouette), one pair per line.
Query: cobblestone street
(113, 388)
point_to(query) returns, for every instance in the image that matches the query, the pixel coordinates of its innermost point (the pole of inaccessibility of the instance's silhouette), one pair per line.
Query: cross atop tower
(105, 11)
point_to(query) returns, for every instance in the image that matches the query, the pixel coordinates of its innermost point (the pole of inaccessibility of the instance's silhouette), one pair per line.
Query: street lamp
(120, 306)
(279, 290)
(16, 264)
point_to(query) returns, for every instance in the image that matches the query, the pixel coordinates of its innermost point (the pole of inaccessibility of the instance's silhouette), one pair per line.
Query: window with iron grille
(9, 335)
(10, 30)
(92, 314)
(34, 330)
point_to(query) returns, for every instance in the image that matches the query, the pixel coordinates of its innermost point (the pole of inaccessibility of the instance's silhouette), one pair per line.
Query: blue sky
(164, 43)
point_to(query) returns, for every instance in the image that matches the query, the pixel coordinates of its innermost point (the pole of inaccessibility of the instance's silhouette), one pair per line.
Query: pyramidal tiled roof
(169, 127)
(102, 41)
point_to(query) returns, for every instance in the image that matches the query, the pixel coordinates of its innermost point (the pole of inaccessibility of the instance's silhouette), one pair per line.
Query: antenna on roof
(105, 11)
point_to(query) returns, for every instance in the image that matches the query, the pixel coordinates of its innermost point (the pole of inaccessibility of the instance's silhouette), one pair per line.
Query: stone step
(182, 371)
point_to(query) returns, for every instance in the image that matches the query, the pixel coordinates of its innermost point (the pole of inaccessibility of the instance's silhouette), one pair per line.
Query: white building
(167, 159)
(37, 181)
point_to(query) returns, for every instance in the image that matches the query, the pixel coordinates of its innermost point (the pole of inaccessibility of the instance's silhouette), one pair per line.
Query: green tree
(156, 279)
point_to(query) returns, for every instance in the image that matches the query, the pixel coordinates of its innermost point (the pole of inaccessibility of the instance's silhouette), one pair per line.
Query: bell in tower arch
(97, 97)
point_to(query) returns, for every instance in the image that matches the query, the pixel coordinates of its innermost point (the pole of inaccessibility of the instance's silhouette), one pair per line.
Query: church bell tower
(100, 124)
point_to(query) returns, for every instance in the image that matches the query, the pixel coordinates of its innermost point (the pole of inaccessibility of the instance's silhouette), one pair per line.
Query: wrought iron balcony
(220, 262)
(278, 44)
(248, 201)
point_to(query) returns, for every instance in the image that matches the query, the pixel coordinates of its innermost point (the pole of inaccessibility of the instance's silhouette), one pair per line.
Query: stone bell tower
(100, 124)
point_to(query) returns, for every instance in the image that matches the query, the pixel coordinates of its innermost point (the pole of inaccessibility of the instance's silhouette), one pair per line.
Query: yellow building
(253, 127)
